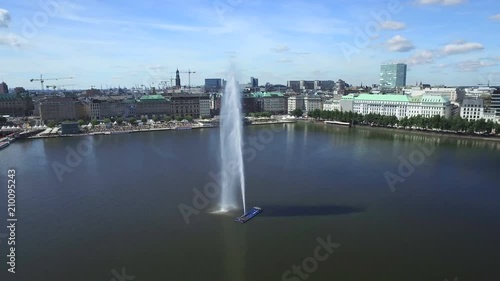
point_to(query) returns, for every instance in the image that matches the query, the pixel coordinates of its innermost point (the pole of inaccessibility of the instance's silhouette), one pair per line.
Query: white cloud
(440, 2)
(474, 65)
(495, 17)
(281, 49)
(11, 40)
(399, 44)
(422, 57)
(395, 25)
(4, 18)
(284, 60)
(461, 47)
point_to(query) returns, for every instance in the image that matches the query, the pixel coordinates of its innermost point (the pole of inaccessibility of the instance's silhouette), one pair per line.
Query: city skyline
(145, 42)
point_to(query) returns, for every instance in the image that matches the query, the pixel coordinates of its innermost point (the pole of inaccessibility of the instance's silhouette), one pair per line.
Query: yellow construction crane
(41, 79)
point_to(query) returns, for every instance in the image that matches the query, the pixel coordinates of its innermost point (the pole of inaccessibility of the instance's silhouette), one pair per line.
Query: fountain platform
(249, 215)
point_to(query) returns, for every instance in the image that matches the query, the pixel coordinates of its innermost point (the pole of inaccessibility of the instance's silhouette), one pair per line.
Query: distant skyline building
(392, 75)
(177, 79)
(254, 82)
(213, 84)
(4, 89)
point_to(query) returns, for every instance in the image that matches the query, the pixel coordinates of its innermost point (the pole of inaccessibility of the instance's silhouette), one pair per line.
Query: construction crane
(189, 77)
(41, 79)
(58, 86)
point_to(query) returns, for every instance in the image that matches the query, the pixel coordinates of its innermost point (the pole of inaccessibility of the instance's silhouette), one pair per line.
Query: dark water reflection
(119, 208)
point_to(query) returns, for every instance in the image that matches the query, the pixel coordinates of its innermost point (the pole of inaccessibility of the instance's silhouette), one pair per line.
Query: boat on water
(4, 145)
(249, 215)
(338, 123)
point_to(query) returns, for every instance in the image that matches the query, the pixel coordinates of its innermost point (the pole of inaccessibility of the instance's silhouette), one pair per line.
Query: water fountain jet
(231, 146)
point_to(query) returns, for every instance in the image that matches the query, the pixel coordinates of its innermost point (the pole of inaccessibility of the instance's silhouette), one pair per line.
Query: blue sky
(127, 43)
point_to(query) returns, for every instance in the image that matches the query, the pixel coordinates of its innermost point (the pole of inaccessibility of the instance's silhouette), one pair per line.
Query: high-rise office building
(213, 84)
(393, 75)
(254, 82)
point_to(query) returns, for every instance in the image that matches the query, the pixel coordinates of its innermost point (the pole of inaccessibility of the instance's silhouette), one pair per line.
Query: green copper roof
(389, 98)
(348, 97)
(152, 98)
(8, 97)
(267, 94)
(429, 99)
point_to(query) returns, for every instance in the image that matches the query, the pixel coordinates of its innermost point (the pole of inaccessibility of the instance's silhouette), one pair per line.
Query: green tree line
(454, 124)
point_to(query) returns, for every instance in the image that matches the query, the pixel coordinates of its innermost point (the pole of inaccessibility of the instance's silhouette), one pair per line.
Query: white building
(391, 105)
(397, 105)
(428, 106)
(331, 105)
(295, 102)
(472, 109)
(312, 103)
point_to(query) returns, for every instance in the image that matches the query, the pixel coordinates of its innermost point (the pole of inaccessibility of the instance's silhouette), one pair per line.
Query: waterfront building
(149, 105)
(428, 106)
(396, 105)
(331, 105)
(4, 89)
(393, 75)
(15, 105)
(390, 105)
(205, 106)
(186, 104)
(251, 104)
(58, 109)
(295, 102)
(108, 106)
(274, 102)
(312, 103)
(472, 109)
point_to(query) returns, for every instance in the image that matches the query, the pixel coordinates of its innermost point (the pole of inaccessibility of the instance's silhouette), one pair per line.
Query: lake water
(114, 214)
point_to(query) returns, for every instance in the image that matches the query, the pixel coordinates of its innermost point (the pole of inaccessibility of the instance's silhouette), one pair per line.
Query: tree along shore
(454, 125)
